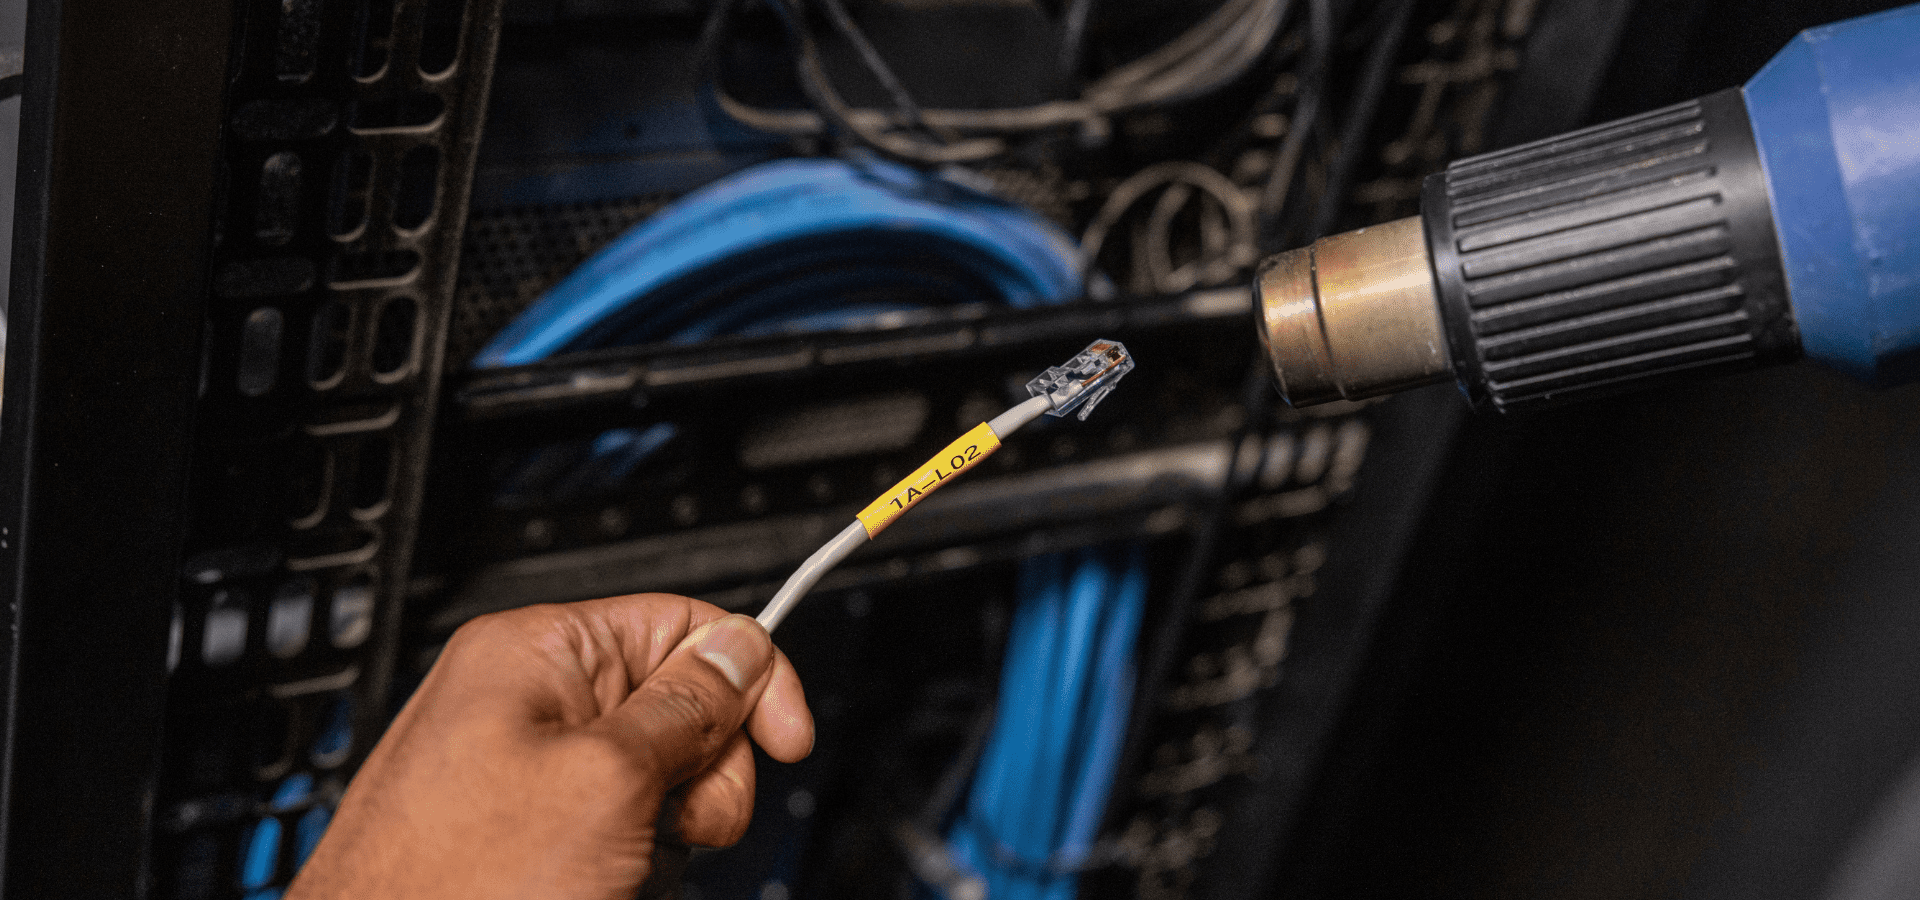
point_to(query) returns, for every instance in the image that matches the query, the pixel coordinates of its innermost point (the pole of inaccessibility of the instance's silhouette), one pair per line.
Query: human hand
(539, 756)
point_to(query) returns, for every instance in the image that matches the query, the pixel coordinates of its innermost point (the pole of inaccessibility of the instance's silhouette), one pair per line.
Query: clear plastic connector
(1084, 380)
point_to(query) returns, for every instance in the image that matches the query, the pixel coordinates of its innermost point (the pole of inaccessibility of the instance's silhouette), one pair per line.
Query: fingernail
(738, 647)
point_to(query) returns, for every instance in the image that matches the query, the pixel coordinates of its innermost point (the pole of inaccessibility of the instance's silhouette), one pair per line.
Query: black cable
(1306, 111)
(706, 51)
(1073, 37)
(829, 104)
(807, 68)
(712, 96)
(951, 789)
(819, 91)
(870, 57)
(1220, 49)
(1373, 85)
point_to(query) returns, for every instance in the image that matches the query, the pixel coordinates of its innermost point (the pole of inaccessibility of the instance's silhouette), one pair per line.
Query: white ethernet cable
(1079, 384)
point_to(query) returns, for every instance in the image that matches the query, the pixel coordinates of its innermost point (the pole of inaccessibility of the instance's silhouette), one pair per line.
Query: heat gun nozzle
(1354, 315)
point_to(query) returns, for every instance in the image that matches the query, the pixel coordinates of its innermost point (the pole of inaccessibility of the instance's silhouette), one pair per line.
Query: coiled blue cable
(815, 240)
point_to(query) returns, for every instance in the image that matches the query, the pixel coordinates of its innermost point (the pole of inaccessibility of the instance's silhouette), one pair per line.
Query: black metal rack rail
(347, 150)
(237, 250)
(766, 447)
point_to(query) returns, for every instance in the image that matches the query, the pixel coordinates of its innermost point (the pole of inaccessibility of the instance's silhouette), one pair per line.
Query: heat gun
(1749, 227)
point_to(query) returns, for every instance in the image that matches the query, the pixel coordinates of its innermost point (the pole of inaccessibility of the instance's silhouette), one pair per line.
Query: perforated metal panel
(510, 256)
(349, 145)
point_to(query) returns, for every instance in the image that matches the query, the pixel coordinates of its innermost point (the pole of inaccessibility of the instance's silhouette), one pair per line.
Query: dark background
(1656, 646)
(1660, 646)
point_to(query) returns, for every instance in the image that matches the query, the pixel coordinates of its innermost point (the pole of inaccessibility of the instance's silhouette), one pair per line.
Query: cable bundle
(818, 243)
(1066, 691)
(1228, 236)
(1212, 54)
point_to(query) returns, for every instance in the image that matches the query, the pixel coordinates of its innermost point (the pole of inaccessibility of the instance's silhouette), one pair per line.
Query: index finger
(646, 628)
(575, 662)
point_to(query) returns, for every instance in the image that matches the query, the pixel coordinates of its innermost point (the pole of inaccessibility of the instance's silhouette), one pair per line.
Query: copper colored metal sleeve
(1353, 316)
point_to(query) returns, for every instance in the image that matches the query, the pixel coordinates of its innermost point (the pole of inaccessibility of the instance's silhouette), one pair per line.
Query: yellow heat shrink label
(961, 455)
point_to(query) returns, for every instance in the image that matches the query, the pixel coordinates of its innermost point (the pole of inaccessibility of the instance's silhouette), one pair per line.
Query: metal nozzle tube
(1355, 315)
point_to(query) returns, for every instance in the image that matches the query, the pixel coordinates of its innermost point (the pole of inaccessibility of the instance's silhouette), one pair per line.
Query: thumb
(684, 714)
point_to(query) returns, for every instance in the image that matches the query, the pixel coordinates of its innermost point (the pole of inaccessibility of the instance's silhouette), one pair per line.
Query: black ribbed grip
(1609, 258)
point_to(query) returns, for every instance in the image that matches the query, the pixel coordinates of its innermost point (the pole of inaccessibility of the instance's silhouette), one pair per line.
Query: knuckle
(476, 637)
(476, 630)
(493, 628)
(604, 760)
(690, 708)
(507, 628)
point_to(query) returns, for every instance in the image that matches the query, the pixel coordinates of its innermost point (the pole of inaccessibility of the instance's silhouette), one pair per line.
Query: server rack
(231, 305)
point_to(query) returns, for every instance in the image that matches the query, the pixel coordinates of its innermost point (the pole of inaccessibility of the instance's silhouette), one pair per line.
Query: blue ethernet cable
(1066, 693)
(797, 242)
(1109, 710)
